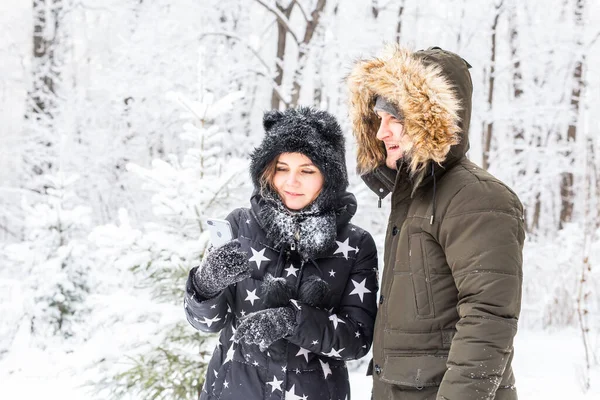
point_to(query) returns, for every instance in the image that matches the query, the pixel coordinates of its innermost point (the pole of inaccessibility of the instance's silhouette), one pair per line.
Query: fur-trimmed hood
(433, 90)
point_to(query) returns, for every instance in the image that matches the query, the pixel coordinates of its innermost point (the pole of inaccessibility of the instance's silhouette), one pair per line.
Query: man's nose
(384, 130)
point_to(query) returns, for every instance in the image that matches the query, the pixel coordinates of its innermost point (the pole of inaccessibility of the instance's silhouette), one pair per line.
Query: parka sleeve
(207, 315)
(348, 332)
(482, 236)
(210, 315)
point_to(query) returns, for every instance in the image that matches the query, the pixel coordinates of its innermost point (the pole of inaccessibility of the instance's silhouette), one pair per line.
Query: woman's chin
(295, 204)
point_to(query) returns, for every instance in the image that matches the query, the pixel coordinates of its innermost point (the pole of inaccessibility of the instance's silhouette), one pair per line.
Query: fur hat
(314, 133)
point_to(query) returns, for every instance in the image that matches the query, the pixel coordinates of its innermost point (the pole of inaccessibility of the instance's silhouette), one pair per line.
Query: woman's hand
(223, 266)
(266, 326)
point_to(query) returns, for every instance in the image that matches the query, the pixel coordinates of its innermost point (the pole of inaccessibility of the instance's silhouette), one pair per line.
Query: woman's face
(297, 180)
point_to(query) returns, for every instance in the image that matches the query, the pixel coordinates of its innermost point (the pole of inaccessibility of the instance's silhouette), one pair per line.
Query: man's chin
(393, 164)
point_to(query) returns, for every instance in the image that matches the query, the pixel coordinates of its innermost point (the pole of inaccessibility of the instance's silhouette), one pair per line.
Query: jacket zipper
(296, 238)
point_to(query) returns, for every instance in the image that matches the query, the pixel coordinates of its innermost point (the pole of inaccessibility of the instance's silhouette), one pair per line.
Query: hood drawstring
(301, 273)
(433, 198)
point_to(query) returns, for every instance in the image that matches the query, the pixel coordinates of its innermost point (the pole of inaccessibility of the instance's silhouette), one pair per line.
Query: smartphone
(220, 231)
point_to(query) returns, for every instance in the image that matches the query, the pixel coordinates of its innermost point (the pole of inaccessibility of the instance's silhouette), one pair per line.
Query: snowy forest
(125, 124)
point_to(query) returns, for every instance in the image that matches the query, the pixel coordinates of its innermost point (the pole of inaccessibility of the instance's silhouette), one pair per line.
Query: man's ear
(270, 118)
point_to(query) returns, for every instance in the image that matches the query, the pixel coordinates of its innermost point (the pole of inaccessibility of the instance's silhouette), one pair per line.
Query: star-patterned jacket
(310, 363)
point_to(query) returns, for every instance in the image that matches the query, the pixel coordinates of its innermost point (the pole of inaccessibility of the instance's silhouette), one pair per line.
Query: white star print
(232, 339)
(357, 334)
(248, 221)
(303, 352)
(243, 313)
(344, 248)
(297, 370)
(334, 353)
(258, 257)
(334, 318)
(275, 384)
(255, 363)
(226, 384)
(216, 373)
(284, 368)
(295, 303)
(332, 273)
(252, 297)
(360, 289)
(208, 321)
(291, 395)
(315, 342)
(326, 369)
(229, 356)
(213, 306)
(291, 271)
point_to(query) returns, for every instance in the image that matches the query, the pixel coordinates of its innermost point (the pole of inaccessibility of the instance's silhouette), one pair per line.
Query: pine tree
(50, 267)
(184, 193)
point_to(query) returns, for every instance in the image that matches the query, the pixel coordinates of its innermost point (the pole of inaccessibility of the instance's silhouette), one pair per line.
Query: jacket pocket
(417, 371)
(421, 277)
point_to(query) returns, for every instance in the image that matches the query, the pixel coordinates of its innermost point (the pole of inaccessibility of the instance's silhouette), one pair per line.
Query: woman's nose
(292, 179)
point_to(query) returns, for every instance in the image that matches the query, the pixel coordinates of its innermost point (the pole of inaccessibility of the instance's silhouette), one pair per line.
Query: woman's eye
(308, 172)
(280, 169)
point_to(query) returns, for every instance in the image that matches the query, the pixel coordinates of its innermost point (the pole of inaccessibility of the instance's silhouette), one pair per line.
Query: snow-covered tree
(184, 193)
(48, 270)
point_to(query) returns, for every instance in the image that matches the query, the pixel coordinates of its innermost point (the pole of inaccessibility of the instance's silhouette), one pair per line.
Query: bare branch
(243, 41)
(281, 18)
(276, 89)
(593, 41)
(306, 17)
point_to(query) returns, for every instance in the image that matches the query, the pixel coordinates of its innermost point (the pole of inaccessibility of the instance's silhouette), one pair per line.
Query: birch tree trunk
(488, 128)
(45, 73)
(567, 178)
(282, 31)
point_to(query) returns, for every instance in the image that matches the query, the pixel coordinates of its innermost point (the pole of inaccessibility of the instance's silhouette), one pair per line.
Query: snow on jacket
(310, 363)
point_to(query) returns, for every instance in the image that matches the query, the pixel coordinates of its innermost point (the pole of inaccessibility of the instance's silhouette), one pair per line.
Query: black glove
(266, 326)
(222, 267)
(276, 292)
(314, 292)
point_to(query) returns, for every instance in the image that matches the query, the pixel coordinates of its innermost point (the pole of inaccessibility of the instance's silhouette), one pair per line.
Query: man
(451, 287)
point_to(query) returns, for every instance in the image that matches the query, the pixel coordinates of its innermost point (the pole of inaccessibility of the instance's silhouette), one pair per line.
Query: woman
(294, 294)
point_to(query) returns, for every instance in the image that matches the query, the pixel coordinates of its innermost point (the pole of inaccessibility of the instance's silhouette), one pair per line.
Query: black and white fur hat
(314, 133)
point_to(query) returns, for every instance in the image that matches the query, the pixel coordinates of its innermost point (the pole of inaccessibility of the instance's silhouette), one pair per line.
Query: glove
(264, 327)
(223, 266)
(314, 292)
(276, 292)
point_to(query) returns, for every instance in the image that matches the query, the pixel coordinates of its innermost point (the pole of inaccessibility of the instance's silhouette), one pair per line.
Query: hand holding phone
(220, 231)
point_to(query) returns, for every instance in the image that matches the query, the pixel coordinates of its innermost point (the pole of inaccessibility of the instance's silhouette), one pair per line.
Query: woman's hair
(266, 178)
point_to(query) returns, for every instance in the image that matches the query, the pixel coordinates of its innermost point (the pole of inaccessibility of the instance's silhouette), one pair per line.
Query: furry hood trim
(432, 88)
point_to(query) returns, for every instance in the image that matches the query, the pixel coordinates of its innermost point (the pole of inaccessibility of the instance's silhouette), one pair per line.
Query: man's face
(391, 133)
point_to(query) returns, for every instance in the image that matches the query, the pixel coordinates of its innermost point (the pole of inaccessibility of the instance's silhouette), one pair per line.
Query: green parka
(451, 287)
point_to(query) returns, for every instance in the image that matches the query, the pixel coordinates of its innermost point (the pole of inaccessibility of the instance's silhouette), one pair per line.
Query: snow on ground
(547, 366)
